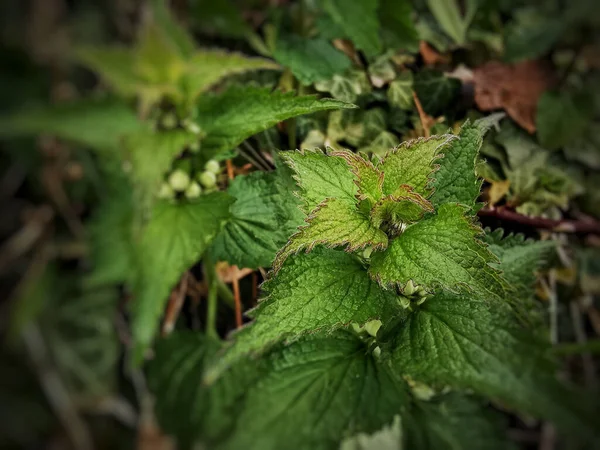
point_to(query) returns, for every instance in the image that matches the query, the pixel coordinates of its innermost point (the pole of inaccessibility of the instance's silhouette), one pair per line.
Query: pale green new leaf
(177, 34)
(173, 240)
(388, 438)
(403, 206)
(230, 117)
(310, 60)
(156, 58)
(264, 216)
(318, 390)
(400, 91)
(323, 290)
(412, 163)
(454, 421)
(480, 346)
(321, 176)
(456, 180)
(367, 178)
(207, 67)
(442, 250)
(99, 124)
(334, 223)
(359, 22)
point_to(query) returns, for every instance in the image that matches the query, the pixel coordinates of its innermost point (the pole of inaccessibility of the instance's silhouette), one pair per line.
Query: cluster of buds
(412, 294)
(369, 332)
(182, 181)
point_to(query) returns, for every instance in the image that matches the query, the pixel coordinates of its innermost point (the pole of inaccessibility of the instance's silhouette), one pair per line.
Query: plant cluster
(349, 165)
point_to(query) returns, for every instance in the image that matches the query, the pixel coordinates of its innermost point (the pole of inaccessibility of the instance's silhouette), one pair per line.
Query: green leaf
(435, 91)
(100, 124)
(222, 18)
(358, 21)
(310, 60)
(561, 118)
(531, 33)
(114, 65)
(454, 421)
(177, 34)
(397, 23)
(264, 216)
(402, 207)
(367, 178)
(347, 88)
(230, 117)
(456, 180)
(205, 68)
(184, 406)
(448, 14)
(321, 176)
(519, 258)
(334, 223)
(481, 347)
(411, 163)
(400, 91)
(319, 389)
(173, 240)
(442, 250)
(151, 154)
(320, 291)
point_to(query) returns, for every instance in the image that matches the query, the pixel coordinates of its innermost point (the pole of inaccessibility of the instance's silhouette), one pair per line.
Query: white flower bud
(179, 180)
(212, 166)
(207, 179)
(193, 190)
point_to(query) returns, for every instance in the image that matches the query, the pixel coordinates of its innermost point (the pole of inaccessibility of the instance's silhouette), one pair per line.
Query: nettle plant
(389, 314)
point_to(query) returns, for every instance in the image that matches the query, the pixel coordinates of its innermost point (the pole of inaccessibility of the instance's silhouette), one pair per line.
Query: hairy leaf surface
(441, 250)
(230, 117)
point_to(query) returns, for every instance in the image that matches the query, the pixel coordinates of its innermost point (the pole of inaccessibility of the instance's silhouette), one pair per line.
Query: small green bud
(404, 301)
(207, 179)
(169, 120)
(377, 352)
(421, 300)
(422, 292)
(212, 166)
(194, 147)
(192, 126)
(193, 190)
(166, 191)
(357, 328)
(366, 253)
(409, 289)
(179, 180)
(372, 327)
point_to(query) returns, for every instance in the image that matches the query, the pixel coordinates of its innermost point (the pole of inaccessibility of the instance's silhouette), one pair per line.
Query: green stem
(212, 281)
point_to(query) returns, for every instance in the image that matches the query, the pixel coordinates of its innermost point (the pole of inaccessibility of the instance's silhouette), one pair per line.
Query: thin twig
(264, 164)
(559, 226)
(422, 115)
(238, 303)
(588, 363)
(230, 173)
(174, 306)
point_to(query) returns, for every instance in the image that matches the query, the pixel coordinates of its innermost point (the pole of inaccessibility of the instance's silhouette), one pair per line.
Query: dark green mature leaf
(442, 250)
(185, 407)
(230, 117)
(310, 60)
(359, 22)
(519, 258)
(456, 180)
(435, 91)
(454, 421)
(397, 24)
(480, 346)
(321, 176)
(531, 33)
(319, 389)
(170, 243)
(264, 216)
(99, 124)
(561, 118)
(323, 290)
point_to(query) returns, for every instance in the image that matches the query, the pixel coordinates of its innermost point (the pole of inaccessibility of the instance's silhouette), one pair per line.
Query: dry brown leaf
(229, 274)
(431, 56)
(497, 191)
(514, 88)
